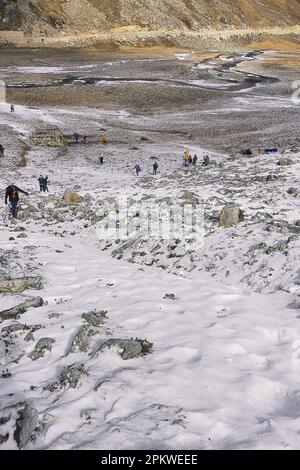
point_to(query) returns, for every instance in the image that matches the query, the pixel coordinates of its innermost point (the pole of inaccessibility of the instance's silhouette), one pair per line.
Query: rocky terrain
(137, 342)
(198, 24)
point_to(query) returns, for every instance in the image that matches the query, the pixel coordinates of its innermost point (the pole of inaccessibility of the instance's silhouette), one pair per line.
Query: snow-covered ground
(223, 371)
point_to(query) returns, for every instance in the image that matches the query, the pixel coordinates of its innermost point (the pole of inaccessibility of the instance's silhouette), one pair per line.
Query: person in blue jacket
(137, 169)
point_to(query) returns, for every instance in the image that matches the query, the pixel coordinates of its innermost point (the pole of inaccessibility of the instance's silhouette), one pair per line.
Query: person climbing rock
(137, 169)
(12, 195)
(155, 168)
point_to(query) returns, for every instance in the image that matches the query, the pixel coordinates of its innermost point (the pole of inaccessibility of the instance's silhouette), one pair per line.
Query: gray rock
(4, 438)
(71, 375)
(29, 337)
(284, 162)
(15, 312)
(95, 318)
(130, 348)
(13, 328)
(2, 350)
(43, 344)
(80, 341)
(293, 191)
(230, 215)
(26, 425)
(18, 285)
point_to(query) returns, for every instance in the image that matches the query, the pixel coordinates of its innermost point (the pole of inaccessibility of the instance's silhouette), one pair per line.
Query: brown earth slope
(50, 18)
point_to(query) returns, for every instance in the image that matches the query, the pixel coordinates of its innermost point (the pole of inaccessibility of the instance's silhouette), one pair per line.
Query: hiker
(84, 138)
(190, 160)
(12, 195)
(45, 185)
(186, 157)
(101, 159)
(1, 151)
(104, 139)
(155, 168)
(12, 108)
(41, 182)
(76, 137)
(195, 158)
(206, 160)
(137, 169)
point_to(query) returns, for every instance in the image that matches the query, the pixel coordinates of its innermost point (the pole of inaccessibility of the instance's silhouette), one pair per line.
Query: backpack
(14, 195)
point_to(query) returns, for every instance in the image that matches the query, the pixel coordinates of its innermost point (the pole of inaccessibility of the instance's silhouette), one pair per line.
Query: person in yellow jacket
(187, 155)
(104, 139)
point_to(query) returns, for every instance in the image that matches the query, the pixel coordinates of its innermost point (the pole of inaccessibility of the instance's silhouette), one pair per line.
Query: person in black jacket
(12, 195)
(1, 151)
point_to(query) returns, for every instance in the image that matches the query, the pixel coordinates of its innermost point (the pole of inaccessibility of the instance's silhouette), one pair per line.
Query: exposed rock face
(26, 424)
(230, 215)
(129, 348)
(71, 375)
(15, 312)
(80, 341)
(18, 285)
(43, 345)
(10, 14)
(95, 318)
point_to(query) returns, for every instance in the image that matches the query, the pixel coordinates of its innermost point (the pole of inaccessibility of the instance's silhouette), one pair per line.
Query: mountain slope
(105, 15)
(146, 22)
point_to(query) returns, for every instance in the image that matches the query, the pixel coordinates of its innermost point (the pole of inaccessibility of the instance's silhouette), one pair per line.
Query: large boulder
(26, 425)
(19, 284)
(71, 197)
(128, 348)
(14, 312)
(284, 162)
(80, 341)
(95, 318)
(43, 344)
(231, 215)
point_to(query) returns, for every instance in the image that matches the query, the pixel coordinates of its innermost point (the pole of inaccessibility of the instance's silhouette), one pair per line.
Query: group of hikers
(43, 182)
(138, 169)
(103, 138)
(12, 191)
(188, 159)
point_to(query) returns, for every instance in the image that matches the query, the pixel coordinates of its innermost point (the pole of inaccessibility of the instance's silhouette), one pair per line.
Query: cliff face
(105, 15)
